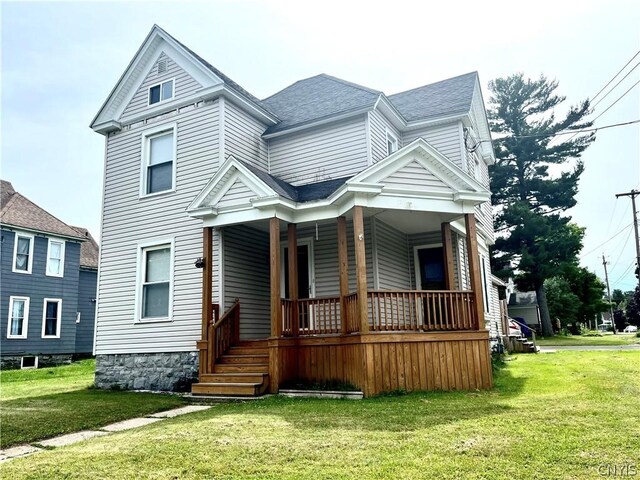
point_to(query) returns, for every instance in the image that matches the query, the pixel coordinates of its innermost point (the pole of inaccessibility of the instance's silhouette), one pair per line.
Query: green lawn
(559, 416)
(579, 340)
(38, 404)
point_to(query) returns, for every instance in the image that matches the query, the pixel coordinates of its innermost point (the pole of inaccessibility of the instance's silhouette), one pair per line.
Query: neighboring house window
(392, 143)
(158, 160)
(485, 285)
(161, 92)
(18, 317)
(155, 274)
(55, 258)
(23, 253)
(51, 315)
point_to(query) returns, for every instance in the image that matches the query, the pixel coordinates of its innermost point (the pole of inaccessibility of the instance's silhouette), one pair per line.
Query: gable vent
(162, 66)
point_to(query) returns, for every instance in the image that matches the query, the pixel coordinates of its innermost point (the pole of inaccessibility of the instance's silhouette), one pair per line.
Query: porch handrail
(421, 310)
(533, 333)
(223, 333)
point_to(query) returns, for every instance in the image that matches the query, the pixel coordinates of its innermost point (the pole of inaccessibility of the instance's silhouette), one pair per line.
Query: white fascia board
(384, 105)
(249, 106)
(435, 121)
(319, 123)
(478, 197)
(107, 127)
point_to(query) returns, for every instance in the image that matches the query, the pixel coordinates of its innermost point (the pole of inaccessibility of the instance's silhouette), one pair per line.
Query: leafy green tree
(617, 297)
(589, 290)
(562, 302)
(632, 312)
(535, 239)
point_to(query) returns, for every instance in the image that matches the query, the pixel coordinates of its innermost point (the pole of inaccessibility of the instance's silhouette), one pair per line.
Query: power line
(605, 242)
(621, 251)
(575, 132)
(614, 87)
(624, 274)
(614, 77)
(617, 100)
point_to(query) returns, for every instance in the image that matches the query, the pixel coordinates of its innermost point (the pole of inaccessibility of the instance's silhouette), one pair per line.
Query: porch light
(199, 262)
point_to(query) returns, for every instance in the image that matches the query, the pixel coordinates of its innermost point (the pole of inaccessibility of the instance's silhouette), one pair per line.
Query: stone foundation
(147, 371)
(13, 362)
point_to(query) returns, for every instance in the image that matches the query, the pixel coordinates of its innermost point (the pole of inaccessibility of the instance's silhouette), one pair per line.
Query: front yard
(561, 415)
(589, 341)
(38, 404)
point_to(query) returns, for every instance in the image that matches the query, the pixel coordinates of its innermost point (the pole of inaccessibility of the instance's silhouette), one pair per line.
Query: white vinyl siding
(22, 253)
(325, 153)
(183, 86)
(18, 324)
(238, 194)
(128, 220)
(445, 138)
(243, 137)
(392, 256)
(379, 127)
(413, 176)
(55, 258)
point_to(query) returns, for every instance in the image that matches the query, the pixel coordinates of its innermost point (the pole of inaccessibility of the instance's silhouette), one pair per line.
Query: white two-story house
(326, 233)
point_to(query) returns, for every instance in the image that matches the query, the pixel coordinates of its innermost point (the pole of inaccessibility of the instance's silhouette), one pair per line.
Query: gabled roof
(445, 98)
(20, 212)
(89, 250)
(318, 97)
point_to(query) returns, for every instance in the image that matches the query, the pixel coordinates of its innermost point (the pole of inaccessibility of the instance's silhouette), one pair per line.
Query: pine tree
(536, 238)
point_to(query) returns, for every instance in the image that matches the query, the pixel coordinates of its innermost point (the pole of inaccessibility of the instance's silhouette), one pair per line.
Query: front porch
(377, 339)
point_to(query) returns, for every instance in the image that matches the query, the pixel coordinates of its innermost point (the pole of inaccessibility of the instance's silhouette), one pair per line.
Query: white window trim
(144, 161)
(394, 139)
(310, 265)
(25, 322)
(161, 242)
(485, 287)
(62, 256)
(15, 252)
(35, 366)
(44, 316)
(159, 84)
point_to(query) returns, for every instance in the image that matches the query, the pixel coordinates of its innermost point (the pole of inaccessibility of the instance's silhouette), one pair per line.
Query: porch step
(241, 368)
(248, 351)
(244, 359)
(252, 343)
(223, 388)
(234, 377)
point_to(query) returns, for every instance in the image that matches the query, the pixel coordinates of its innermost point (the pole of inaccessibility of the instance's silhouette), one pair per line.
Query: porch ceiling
(413, 221)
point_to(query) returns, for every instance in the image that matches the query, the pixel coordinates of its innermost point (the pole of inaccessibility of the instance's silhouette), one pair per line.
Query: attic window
(392, 143)
(161, 92)
(162, 66)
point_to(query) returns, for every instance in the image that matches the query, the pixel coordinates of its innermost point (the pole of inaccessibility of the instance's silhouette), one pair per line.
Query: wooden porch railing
(222, 333)
(421, 310)
(401, 310)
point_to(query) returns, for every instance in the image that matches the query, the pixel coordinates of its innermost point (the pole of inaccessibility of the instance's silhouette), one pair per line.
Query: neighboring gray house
(48, 285)
(329, 210)
(524, 306)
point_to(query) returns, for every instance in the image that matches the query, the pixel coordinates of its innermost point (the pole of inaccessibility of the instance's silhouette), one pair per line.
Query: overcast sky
(61, 60)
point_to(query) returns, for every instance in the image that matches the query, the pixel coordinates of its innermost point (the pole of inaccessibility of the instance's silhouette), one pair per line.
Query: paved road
(549, 349)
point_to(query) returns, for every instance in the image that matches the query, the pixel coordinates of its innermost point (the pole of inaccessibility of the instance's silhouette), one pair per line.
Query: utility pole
(633, 194)
(606, 276)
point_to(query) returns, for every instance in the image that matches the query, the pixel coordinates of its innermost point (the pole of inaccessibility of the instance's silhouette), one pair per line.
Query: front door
(305, 281)
(430, 268)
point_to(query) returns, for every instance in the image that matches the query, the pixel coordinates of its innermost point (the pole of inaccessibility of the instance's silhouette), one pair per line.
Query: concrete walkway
(71, 438)
(559, 348)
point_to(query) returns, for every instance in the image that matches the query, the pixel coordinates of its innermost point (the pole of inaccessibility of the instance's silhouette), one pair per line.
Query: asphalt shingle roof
(18, 211)
(316, 98)
(448, 97)
(302, 193)
(89, 250)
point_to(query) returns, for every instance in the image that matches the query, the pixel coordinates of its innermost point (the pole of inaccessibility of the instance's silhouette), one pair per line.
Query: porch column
(361, 268)
(474, 268)
(207, 307)
(292, 238)
(343, 261)
(274, 245)
(448, 256)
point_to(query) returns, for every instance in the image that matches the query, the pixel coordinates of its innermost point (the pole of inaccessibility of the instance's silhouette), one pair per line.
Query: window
(23, 253)
(51, 315)
(485, 285)
(155, 285)
(55, 258)
(161, 92)
(392, 143)
(158, 171)
(18, 317)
